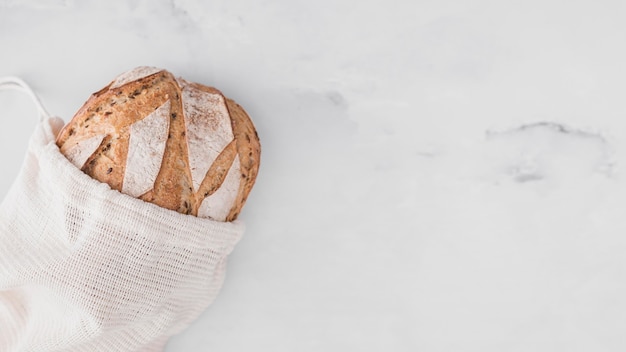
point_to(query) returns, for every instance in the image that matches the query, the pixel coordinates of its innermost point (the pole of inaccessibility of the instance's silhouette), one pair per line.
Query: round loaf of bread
(180, 145)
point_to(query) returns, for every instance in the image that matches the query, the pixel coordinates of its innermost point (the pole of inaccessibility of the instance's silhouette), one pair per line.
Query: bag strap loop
(16, 83)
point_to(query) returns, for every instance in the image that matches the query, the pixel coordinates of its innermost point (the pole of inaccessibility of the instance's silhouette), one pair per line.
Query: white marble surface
(436, 175)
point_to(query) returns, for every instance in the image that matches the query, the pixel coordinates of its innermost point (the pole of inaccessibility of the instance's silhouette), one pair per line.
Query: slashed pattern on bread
(177, 144)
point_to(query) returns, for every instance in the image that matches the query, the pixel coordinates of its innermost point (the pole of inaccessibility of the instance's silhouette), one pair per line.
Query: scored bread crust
(249, 149)
(111, 113)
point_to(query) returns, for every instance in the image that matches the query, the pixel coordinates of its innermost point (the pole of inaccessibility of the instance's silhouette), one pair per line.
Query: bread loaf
(180, 145)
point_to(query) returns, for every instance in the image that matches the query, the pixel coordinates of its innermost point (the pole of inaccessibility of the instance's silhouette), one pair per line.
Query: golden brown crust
(249, 150)
(112, 111)
(172, 188)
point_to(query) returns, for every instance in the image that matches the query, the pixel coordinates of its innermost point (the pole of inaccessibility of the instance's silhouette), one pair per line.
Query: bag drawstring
(16, 83)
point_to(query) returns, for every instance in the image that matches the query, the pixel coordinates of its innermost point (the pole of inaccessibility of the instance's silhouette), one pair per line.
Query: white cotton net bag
(87, 268)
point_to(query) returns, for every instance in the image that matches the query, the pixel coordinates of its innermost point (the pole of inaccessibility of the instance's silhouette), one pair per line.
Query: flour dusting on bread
(81, 151)
(145, 151)
(134, 75)
(178, 144)
(209, 130)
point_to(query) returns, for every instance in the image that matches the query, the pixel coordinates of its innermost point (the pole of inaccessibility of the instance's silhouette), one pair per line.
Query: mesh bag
(87, 268)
